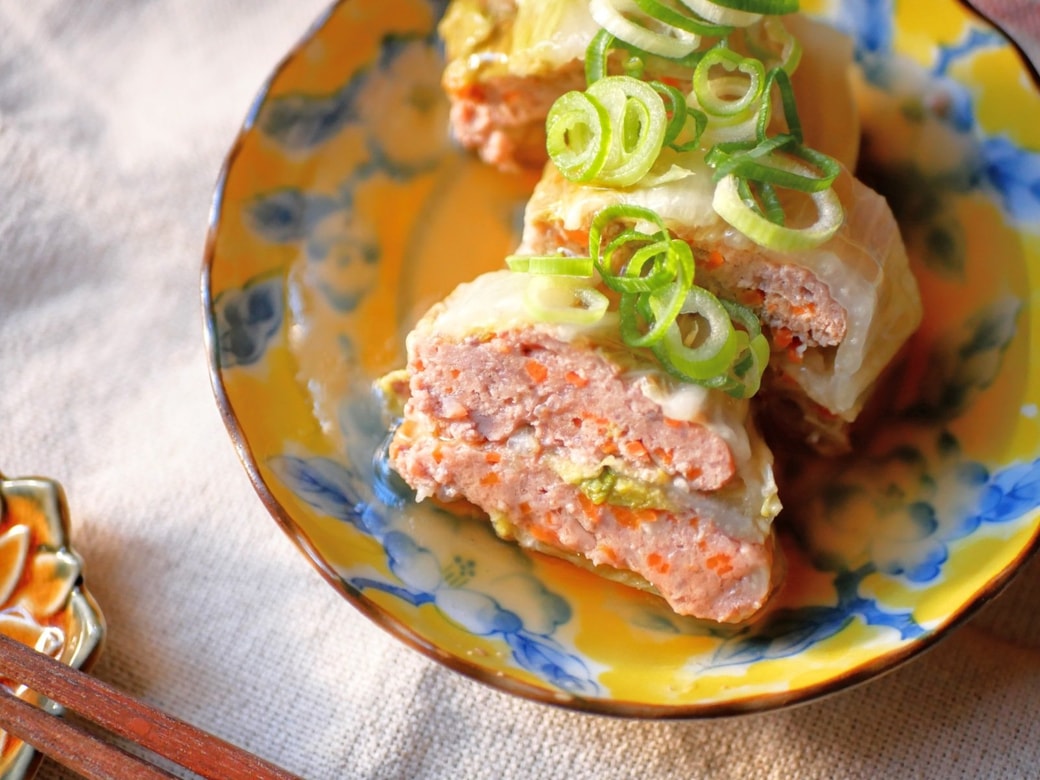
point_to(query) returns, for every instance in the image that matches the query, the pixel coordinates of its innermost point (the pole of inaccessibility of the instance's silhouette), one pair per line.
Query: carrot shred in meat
(655, 561)
(720, 563)
(543, 533)
(576, 379)
(609, 554)
(782, 337)
(752, 298)
(693, 472)
(493, 457)
(633, 518)
(715, 259)
(536, 371)
(635, 449)
(589, 508)
(664, 456)
(671, 422)
(800, 310)
(491, 478)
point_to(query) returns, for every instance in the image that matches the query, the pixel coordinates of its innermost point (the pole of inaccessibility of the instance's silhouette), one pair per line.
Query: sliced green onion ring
(770, 162)
(782, 80)
(556, 265)
(741, 127)
(731, 94)
(753, 355)
(564, 300)
(765, 194)
(637, 126)
(596, 55)
(764, 7)
(672, 44)
(721, 13)
(674, 18)
(578, 135)
(679, 116)
(729, 205)
(712, 357)
(659, 308)
(624, 213)
(771, 40)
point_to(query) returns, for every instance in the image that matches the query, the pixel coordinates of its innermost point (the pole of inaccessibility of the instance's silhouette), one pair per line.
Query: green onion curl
(564, 300)
(578, 135)
(667, 41)
(555, 265)
(730, 94)
(733, 208)
(716, 343)
(610, 135)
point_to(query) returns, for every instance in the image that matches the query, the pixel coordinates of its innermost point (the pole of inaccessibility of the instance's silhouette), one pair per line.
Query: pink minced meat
(490, 418)
(502, 117)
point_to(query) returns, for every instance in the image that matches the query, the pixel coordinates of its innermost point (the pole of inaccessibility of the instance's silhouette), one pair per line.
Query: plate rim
(621, 708)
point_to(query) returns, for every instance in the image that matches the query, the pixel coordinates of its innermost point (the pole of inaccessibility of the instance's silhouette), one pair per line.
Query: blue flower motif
(869, 23)
(996, 164)
(402, 106)
(247, 319)
(300, 122)
(1015, 175)
(342, 248)
(975, 41)
(515, 607)
(1006, 496)
(325, 484)
(966, 361)
(288, 215)
(343, 254)
(788, 632)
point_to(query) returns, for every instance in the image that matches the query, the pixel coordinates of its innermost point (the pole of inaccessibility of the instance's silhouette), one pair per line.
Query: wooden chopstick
(71, 745)
(118, 713)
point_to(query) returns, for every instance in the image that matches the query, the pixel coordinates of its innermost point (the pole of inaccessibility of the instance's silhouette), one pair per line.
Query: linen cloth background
(114, 121)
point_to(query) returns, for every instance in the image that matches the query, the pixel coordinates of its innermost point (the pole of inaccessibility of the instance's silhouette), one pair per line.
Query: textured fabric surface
(114, 121)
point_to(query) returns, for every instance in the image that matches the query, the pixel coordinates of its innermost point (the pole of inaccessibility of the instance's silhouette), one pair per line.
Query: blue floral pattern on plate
(517, 610)
(891, 518)
(1002, 168)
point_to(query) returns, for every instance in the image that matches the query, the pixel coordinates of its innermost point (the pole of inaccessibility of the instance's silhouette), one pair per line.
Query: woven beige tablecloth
(114, 121)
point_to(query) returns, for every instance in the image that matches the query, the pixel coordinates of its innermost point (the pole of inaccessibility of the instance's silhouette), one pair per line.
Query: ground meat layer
(495, 420)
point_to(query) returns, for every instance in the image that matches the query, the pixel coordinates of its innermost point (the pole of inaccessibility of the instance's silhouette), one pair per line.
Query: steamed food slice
(509, 60)
(576, 446)
(835, 315)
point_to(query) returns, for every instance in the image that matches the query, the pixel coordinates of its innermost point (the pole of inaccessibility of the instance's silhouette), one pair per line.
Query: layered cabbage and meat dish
(698, 262)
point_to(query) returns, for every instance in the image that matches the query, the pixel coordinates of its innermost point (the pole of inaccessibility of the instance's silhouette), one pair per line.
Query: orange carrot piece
(715, 259)
(720, 563)
(782, 337)
(576, 379)
(536, 371)
(635, 449)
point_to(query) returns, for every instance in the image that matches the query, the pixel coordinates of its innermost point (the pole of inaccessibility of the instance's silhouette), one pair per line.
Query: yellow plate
(344, 210)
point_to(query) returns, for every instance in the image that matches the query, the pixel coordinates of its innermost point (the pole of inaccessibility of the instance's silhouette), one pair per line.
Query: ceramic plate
(344, 211)
(43, 601)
